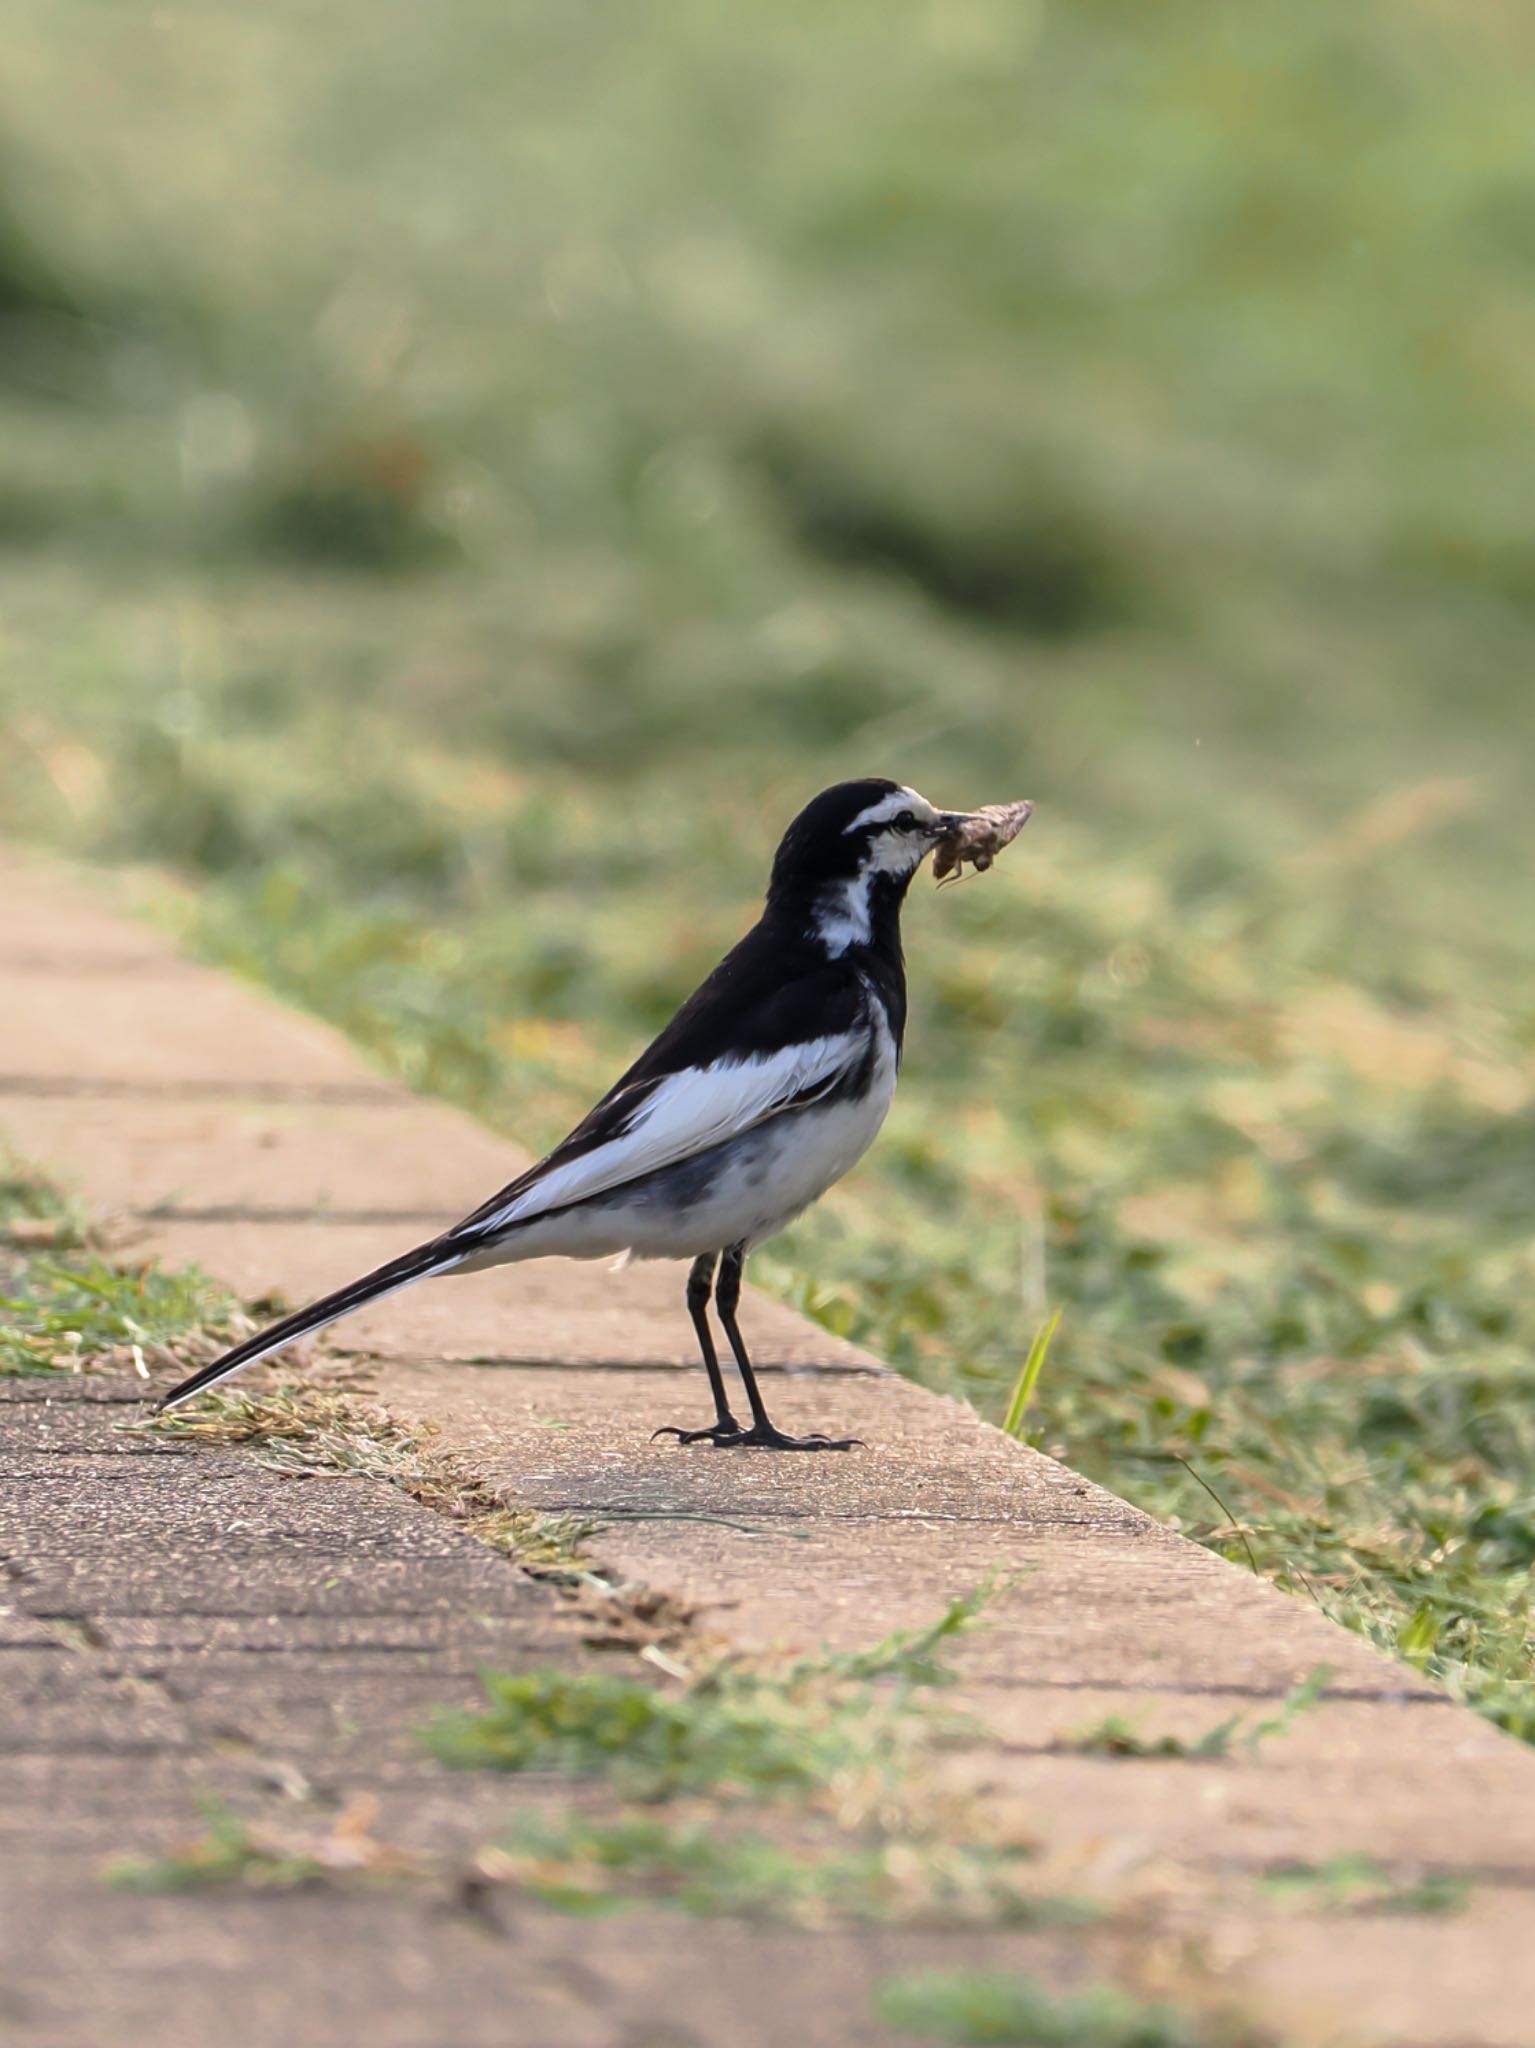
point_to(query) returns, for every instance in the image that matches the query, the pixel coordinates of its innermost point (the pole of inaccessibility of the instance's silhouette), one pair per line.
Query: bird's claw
(765, 1437)
(760, 1437)
(725, 1431)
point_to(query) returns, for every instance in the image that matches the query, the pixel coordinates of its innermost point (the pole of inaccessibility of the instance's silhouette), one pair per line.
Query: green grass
(233, 1851)
(1361, 1884)
(735, 1729)
(228, 1852)
(1028, 1378)
(987, 2006)
(801, 1790)
(65, 1311)
(1118, 1735)
(34, 1214)
(653, 1745)
(597, 434)
(808, 1873)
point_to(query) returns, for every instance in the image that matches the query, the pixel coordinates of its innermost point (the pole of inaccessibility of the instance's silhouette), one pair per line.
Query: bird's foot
(763, 1436)
(728, 1435)
(725, 1431)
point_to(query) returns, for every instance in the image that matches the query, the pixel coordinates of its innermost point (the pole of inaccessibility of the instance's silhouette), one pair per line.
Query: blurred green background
(468, 474)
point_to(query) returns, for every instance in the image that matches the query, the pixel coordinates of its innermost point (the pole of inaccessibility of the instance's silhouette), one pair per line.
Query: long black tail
(387, 1279)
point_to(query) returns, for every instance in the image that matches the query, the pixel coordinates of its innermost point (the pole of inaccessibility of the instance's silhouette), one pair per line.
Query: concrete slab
(301, 1968)
(201, 1029)
(421, 1164)
(20, 1631)
(57, 918)
(1353, 1778)
(1358, 1966)
(922, 1457)
(248, 1668)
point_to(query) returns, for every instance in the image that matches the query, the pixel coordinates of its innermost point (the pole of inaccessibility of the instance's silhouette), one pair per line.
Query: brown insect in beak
(977, 837)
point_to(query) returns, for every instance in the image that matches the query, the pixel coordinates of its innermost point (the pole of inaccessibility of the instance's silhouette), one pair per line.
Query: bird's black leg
(724, 1429)
(763, 1433)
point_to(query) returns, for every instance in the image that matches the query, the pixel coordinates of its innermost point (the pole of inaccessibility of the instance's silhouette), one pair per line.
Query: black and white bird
(768, 1084)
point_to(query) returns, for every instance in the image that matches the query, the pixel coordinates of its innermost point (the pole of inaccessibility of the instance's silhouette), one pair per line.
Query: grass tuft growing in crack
(737, 1728)
(817, 1878)
(734, 1735)
(69, 1313)
(1362, 1885)
(910, 1656)
(228, 1852)
(233, 1851)
(34, 1215)
(986, 2006)
(800, 1789)
(66, 1309)
(1117, 1735)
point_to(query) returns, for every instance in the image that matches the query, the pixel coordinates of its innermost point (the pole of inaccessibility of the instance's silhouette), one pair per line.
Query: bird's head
(847, 858)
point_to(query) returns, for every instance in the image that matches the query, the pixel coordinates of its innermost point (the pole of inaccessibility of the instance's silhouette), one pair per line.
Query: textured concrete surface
(173, 1618)
(176, 1624)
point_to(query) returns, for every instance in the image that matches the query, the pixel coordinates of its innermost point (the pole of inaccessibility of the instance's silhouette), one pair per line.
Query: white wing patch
(684, 1115)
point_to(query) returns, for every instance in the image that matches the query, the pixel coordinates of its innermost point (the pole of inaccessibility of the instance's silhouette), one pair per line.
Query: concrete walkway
(176, 1616)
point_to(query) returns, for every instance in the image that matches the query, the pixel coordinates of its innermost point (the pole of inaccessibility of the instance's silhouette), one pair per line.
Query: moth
(979, 839)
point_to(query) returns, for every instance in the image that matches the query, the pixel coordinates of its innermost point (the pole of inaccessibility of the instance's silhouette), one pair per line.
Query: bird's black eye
(905, 820)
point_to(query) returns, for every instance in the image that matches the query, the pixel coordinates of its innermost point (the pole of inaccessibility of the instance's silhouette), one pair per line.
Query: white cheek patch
(844, 916)
(893, 853)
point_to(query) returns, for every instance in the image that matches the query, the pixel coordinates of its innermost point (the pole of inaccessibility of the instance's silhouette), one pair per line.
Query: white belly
(767, 1179)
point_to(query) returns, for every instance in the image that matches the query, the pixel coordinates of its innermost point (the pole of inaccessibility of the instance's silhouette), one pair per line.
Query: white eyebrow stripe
(891, 807)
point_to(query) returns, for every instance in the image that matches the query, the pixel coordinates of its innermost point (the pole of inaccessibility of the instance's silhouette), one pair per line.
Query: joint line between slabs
(490, 1361)
(831, 1518)
(24, 961)
(84, 1087)
(253, 1213)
